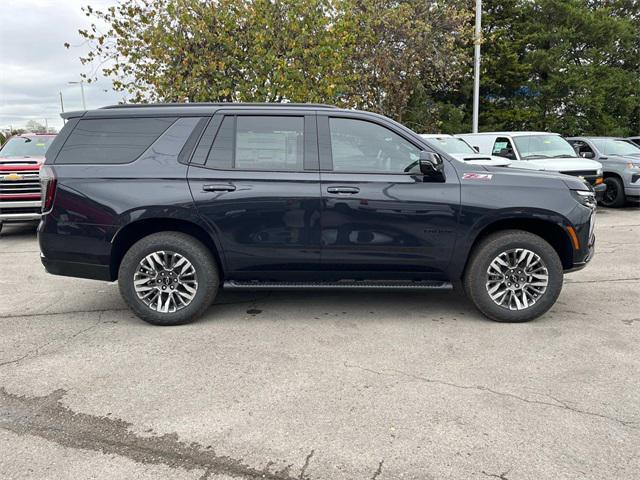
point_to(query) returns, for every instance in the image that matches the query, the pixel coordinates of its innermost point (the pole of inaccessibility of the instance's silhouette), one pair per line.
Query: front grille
(9, 211)
(19, 184)
(590, 176)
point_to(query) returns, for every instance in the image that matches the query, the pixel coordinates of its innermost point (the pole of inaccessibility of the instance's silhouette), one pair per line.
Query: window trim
(326, 151)
(309, 143)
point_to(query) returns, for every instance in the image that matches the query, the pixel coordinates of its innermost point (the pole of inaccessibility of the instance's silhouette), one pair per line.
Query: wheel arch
(132, 232)
(553, 233)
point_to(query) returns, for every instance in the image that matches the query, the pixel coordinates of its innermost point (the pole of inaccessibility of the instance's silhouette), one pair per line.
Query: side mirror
(587, 155)
(431, 164)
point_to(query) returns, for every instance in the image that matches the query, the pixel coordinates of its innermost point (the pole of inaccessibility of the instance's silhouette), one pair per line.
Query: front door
(254, 179)
(379, 213)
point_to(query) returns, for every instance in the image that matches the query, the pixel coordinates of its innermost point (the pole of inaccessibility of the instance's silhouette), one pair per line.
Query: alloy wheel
(165, 281)
(517, 279)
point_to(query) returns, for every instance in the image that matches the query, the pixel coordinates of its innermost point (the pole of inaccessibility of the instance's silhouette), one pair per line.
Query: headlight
(633, 166)
(585, 197)
(599, 172)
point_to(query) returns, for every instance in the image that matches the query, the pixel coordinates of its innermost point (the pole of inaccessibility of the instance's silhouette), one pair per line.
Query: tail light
(48, 187)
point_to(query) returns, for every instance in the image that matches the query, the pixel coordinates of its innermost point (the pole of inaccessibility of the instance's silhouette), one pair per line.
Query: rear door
(254, 178)
(380, 215)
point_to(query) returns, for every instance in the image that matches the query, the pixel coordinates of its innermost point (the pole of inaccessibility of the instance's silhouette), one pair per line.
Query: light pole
(477, 39)
(81, 82)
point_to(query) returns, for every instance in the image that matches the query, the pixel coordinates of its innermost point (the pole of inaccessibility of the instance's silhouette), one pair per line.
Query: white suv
(538, 151)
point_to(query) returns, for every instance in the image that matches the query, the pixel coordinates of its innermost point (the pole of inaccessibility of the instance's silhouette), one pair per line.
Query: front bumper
(20, 211)
(599, 190)
(632, 191)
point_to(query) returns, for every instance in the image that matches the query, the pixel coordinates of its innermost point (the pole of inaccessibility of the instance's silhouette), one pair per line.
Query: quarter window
(112, 140)
(361, 146)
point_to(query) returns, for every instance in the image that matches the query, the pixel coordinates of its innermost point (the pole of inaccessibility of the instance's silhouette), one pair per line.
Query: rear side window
(111, 140)
(273, 143)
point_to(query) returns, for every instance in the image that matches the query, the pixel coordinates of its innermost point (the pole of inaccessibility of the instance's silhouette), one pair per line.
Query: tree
(34, 126)
(371, 54)
(570, 66)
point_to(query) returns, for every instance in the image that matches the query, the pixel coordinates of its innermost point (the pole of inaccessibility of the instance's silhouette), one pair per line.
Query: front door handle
(224, 187)
(343, 190)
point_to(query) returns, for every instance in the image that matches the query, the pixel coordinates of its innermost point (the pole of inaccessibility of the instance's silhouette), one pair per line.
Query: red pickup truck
(20, 160)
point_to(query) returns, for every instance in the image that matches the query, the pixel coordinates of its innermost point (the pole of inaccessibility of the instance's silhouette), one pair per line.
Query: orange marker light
(574, 238)
(599, 180)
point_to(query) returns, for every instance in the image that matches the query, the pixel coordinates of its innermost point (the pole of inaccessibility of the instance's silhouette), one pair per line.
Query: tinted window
(113, 140)
(221, 154)
(269, 143)
(361, 146)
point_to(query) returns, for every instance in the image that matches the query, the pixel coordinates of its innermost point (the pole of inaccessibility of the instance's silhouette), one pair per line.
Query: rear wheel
(168, 278)
(614, 195)
(513, 276)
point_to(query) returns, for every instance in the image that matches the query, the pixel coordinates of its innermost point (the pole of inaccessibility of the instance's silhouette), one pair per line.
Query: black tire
(614, 196)
(476, 275)
(192, 250)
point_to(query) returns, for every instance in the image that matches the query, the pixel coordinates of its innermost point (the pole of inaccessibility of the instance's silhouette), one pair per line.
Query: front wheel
(513, 276)
(168, 278)
(614, 195)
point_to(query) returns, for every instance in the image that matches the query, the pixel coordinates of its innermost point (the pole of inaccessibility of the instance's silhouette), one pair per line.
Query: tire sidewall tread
(475, 275)
(186, 245)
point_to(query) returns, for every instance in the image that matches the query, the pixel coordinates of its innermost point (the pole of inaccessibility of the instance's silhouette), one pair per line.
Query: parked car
(181, 200)
(620, 159)
(20, 160)
(539, 151)
(635, 140)
(461, 150)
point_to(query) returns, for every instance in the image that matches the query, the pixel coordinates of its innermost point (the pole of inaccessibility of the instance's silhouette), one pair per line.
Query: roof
(436, 135)
(510, 134)
(197, 108)
(594, 137)
(219, 104)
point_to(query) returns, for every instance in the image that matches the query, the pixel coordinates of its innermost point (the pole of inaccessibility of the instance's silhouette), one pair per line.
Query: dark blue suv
(176, 201)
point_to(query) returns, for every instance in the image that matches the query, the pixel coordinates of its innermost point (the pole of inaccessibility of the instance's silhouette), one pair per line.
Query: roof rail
(219, 104)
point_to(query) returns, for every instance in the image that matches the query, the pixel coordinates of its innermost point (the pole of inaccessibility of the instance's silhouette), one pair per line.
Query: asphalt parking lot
(321, 385)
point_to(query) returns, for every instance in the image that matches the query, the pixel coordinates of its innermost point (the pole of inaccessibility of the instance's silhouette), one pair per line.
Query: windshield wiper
(535, 156)
(565, 156)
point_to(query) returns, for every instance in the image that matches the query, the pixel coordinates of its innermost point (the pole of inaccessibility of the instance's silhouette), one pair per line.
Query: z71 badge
(477, 176)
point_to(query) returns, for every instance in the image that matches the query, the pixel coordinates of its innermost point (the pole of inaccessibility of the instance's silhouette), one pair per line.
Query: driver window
(361, 146)
(582, 149)
(503, 148)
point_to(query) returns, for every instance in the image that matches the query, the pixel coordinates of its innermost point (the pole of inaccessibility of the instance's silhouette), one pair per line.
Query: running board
(344, 284)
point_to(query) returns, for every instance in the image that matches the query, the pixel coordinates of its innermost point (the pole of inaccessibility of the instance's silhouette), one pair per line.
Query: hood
(569, 164)
(571, 182)
(480, 159)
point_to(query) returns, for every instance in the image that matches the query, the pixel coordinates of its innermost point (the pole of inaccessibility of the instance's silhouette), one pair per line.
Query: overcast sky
(35, 65)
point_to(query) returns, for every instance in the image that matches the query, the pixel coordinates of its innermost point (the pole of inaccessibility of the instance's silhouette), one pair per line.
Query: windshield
(615, 146)
(543, 146)
(451, 144)
(26, 147)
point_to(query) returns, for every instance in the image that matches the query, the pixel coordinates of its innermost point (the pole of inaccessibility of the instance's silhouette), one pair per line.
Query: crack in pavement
(501, 476)
(71, 312)
(46, 417)
(63, 342)
(378, 471)
(633, 279)
(559, 404)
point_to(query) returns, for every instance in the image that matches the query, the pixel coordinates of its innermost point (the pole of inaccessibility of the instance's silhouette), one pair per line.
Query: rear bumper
(75, 269)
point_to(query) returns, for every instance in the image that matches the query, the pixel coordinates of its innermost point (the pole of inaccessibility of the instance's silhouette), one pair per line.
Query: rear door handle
(343, 190)
(224, 187)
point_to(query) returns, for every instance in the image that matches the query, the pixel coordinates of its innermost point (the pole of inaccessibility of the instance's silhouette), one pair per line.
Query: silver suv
(620, 159)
